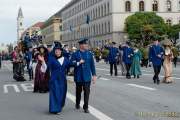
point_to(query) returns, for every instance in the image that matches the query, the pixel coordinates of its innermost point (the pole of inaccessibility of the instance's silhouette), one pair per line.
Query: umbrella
(166, 42)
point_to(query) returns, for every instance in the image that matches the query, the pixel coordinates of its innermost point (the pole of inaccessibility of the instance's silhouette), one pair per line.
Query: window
(109, 27)
(179, 5)
(108, 7)
(168, 5)
(155, 5)
(169, 22)
(128, 6)
(141, 6)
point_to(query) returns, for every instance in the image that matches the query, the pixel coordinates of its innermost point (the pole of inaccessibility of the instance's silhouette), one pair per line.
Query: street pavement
(112, 98)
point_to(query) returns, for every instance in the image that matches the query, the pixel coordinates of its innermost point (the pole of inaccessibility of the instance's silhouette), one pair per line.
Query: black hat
(49, 45)
(56, 43)
(113, 43)
(58, 47)
(83, 41)
(128, 43)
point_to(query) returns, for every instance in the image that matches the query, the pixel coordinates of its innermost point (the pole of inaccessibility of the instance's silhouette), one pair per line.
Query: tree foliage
(143, 26)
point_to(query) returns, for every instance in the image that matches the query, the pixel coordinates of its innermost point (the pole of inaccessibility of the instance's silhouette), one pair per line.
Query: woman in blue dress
(136, 66)
(58, 82)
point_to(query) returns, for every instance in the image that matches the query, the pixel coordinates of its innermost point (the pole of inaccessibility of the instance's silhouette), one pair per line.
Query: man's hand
(81, 61)
(159, 56)
(94, 79)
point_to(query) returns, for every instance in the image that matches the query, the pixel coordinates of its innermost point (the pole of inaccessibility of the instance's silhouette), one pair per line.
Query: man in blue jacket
(29, 62)
(84, 73)
(156, 57)
(113, 57)
(127, 58)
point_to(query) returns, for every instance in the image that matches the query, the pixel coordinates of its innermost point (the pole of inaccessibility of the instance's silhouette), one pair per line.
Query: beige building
(107, 17)
(51, 30)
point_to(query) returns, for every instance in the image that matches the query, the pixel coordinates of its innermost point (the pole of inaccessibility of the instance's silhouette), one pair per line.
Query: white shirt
(61, 60)
(44, 66)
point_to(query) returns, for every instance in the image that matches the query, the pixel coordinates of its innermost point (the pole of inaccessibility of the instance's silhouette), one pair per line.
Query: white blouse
(44, 66)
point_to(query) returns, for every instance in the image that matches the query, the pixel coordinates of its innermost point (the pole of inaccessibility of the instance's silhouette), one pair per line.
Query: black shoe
(77, 107)
(86, 111)
(138, 77)
(158, 82)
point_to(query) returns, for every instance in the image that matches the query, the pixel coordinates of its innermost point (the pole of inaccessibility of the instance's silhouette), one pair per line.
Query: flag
(87, 19)
(70, 28)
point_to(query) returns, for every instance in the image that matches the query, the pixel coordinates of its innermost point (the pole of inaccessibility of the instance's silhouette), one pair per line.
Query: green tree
(143, 26)
(173, 32)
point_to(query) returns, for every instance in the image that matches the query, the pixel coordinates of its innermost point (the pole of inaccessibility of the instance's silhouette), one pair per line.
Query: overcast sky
(33, 11)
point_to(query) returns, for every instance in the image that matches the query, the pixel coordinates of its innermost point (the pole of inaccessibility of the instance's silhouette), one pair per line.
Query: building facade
(103, 20)
(20, 26)
(51, 30)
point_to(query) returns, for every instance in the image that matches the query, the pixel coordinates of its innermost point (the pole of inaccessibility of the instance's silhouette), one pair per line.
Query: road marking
(96, 113)
(102, 69)
(105, 79)
(27, 87)
(11, 85)
(143, 87)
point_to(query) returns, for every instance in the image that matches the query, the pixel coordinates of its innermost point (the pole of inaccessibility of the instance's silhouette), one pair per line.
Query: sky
(33, 11)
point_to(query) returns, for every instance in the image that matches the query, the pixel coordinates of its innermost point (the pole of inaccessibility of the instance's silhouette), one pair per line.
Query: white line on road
(13, 86)
(96, 113)
(102, 69)
(105, 79)
(143, 87)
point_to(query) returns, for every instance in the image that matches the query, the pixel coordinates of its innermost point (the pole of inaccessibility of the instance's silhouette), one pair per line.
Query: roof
(38, 24)
(72, 2)
(20, 13)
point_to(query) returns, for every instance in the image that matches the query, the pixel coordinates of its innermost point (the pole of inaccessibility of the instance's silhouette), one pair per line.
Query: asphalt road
(112, 98)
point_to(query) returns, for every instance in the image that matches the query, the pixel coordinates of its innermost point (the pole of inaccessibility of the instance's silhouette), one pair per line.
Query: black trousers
(128, 66)
(157, 70)
(115, 68)
(86, 89)
(175, 61)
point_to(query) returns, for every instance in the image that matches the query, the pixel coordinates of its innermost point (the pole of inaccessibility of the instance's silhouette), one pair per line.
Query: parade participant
(97, 53)
(58, 82)
(27, 41)
(112, 58)
(105, 53)
(136, 66)
(29, 63)
(175, 54)
(67, 54)
(167, 64)
(121, 63)
(156, 58)
(49, 48)
(84, 72)
(41, 79)
(74, 49)
(127, 58)
(18, 73)
(14, 58)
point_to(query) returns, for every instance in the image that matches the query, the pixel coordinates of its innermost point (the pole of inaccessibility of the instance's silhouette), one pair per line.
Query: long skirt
(40, 81)
(167, 70)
